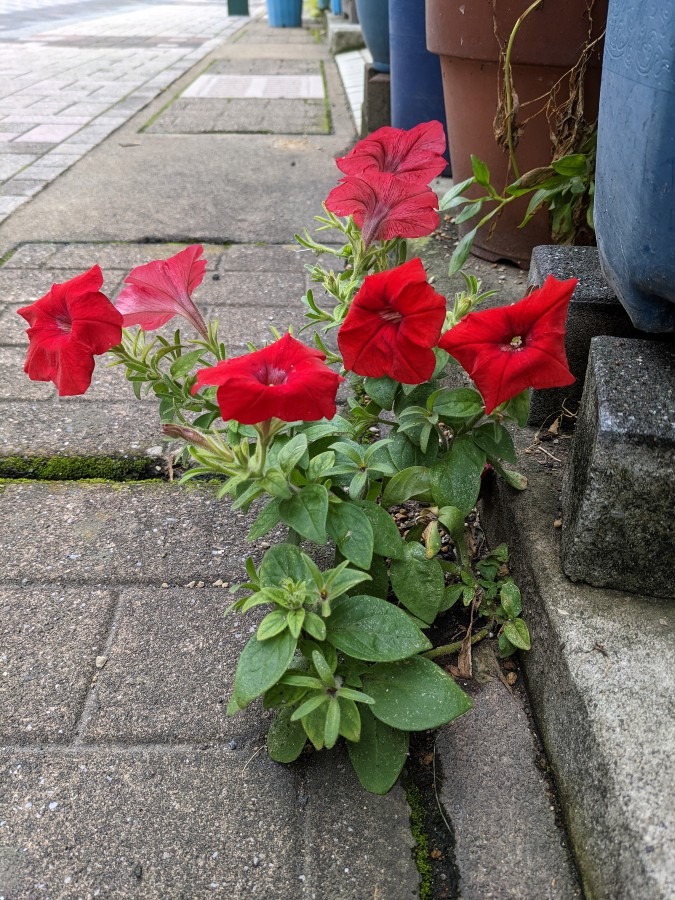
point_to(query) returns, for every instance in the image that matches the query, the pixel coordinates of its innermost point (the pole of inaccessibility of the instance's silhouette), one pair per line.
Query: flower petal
(385, 207)
(162, 289)
(415, 154)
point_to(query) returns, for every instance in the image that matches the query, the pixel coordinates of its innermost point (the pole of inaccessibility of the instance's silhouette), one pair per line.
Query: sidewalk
(120, 773)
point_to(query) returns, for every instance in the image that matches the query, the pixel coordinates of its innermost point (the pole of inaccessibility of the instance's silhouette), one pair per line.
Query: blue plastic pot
(635, 191)
(323, 4)
(336, 7)
(284, 13)
(374, 20)
(416, 82)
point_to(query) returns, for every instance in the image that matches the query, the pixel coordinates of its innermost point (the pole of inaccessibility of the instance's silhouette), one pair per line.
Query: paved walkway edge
(600, 679)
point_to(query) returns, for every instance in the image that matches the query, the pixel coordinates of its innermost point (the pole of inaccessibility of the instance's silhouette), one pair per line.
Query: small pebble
(164, 584)
(200, 584)
(101, 661)
(191, 584)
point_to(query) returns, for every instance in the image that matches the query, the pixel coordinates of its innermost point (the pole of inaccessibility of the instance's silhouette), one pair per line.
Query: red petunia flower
(162, 289)
(511, 348)
(70, 325)
(384, 206)
(392, 325)
(286, 381)
(415, 155)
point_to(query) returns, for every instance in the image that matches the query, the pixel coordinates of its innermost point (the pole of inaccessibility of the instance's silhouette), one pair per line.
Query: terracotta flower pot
(546, 47)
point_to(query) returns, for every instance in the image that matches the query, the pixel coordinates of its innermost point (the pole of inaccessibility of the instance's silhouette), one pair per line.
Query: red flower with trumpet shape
(511, 348)
(414, 155)
(70, 325)
(392, 326)
(286, 381)
(384, 206)
(162, 289)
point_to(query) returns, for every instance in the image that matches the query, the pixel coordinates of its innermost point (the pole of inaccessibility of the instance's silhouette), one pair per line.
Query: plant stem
(448, 649)
(508, 85)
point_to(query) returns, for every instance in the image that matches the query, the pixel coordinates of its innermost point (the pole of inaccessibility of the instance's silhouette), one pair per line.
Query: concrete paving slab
(508, 844)
(157, 822)
(601, 680)
(239, 116)
(145, 533)
(170, 666)
(125, 430)
(49, 641)
(182, 823)
(275, 191)
(263, 66)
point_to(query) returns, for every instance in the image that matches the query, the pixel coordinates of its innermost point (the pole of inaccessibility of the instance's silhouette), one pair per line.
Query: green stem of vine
(508, 84)
(448, 649)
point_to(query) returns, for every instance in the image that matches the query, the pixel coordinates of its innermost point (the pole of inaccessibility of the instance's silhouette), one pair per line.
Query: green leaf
(381, 390)
(352, 532)
(514, 479)
(480, 171)
(315, 626)
(261, 664)
(511, 600)
(315, 726)
(285, 738)
(374, 630)
(506, 648)
(350, 719)
(379, 755)
(379, 585)
(455, 479)
(266, 520)
(284, 561)
(283, 695)
(518, 634)
(319, 465)
(306, 512)
(412, 482)
(460, 403)
(341, 580)
(386, 538)
(295, 619)
(469, 211)
(414, 694)
(454, 191)
(331, 729)
(518, 408)
(573, 165)
(452, 594)
(418, 582)
(314, 702)
(495, 440)
(404, 453)
(323, 670)
(461, 252)
(185, 363)
(291, 453)
(272, 624)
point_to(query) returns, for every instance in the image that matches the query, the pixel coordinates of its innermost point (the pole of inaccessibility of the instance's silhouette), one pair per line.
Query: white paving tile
(290, 87)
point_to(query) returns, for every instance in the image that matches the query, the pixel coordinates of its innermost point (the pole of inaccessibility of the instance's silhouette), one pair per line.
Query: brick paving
(72, 73)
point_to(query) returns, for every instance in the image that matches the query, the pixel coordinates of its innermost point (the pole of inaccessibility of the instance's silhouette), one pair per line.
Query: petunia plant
(343, 651)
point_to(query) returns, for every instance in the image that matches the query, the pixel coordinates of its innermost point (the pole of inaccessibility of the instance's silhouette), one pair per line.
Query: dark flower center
(271, 375)
(390, 315)
(516, 343)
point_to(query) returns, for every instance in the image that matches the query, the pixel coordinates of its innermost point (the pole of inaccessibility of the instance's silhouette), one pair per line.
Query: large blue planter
(374, 20)
(416, 82)
(336, 7)
(284, 13)
(635, 181)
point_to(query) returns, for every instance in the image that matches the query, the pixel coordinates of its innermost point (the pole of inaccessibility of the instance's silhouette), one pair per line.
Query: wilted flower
(162, 289)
